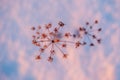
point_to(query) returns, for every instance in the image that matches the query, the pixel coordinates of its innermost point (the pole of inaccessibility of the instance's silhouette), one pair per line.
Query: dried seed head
(50, 59)
(99, 41)
(67, 35)
(87, 23)
(91, 27)
(33, 28)
(64, 45)
(65, 55)
(43, 39)
(42, 50)
(61, 23)
(89, 32)
(34, 42)
(43, 35)
(99, 29)
(83, 29)
(96, 21)
(84, 43)
(38, 37)
(93, 36)
(80, 29)
(52, 51)
(48, 26)
(38, 57)
(91, 44)
(56, 30)
(77, 44)
(86, 32)
(74, 35)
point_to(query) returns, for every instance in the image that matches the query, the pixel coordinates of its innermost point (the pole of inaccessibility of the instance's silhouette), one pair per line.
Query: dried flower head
(88, 34)
(49, 38)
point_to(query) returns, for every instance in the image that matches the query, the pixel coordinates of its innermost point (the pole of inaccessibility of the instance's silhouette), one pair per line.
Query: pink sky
(17, 53)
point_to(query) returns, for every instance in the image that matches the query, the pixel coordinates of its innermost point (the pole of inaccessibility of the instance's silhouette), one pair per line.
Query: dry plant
(50, 38)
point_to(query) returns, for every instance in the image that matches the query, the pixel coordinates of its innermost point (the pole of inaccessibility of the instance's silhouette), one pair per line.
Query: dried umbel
(88, 33)
(50, 39)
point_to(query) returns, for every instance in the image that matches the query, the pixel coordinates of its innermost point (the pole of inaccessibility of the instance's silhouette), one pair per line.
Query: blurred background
(17, 54)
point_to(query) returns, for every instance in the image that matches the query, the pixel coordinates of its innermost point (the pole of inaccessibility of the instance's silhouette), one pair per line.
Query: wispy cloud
(97, 63)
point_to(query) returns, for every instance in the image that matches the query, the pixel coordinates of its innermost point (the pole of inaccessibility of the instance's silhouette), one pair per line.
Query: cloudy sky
(17, 54)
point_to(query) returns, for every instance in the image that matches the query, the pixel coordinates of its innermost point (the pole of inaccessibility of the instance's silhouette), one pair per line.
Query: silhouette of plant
(50, 38)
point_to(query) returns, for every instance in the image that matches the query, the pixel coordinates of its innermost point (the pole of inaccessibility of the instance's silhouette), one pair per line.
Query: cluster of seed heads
(50, 38)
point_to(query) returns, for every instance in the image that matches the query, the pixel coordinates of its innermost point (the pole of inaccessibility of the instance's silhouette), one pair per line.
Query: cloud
(82, 63)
